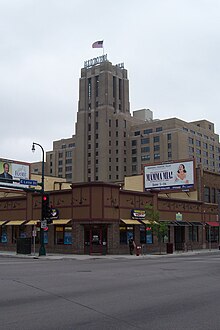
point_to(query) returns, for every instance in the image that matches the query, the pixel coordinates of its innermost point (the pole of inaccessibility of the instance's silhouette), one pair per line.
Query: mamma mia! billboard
(13, 170)
(169, 176)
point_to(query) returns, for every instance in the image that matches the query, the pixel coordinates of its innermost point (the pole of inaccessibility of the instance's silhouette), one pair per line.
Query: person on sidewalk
(132, 245)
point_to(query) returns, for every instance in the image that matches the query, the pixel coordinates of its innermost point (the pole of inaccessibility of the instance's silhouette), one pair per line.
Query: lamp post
(42, 250)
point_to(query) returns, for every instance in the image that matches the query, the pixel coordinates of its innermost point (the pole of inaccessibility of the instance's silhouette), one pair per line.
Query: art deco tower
(103, 121)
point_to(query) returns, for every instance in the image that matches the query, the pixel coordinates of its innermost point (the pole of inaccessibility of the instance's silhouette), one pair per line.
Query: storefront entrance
(95, 239)
(179, 237)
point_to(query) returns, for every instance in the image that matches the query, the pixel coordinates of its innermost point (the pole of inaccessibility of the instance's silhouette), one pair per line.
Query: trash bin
(170, 248)
(24, 245)
(138, 250)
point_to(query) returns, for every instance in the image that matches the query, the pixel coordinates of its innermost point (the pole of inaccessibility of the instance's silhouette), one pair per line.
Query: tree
(159, 228)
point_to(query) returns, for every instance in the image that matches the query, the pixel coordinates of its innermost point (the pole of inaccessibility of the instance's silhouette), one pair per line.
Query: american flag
(97, 44)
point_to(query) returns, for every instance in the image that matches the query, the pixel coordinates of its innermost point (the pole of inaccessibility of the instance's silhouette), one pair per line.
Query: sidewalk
(54, 256)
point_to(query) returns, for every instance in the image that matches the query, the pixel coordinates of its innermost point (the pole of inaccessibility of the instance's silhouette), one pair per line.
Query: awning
(2, 222)
(169, 222)
(15, 223)
(130, 221)
(61, 221)
(183, 223)
(148, 222)
(212, 223)
(196, 223)
(32, 222)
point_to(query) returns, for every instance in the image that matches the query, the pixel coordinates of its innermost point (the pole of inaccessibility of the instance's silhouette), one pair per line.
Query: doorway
(95, 239)
(179, 237)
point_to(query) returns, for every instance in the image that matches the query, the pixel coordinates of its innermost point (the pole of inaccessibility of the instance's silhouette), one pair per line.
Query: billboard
(169, 176)
(13, 170)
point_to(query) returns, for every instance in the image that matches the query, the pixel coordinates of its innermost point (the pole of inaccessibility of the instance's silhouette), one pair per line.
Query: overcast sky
(171, 49)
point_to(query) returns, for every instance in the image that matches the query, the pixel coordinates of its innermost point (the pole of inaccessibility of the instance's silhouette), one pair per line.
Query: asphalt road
(161, 293)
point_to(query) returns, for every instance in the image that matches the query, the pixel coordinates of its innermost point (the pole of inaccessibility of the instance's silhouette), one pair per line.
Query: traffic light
(46, 211)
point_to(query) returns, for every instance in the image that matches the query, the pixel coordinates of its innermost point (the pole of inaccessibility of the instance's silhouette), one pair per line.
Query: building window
(159, 129)
(89, 88)
(60, 155)
(116, 123)
(145, 157)
(193, 233)
(145, 149)
(134, 151)
(134, 159)
(69, 161)
(3, 234)
(145, 141)
(134, 143)
(126, 233)
(137, 133)
(157, 147)
(60, 162)
(207, 194)
(146, 235)
(134, 168)
(148, 131)
(68, 153)
(63, 235)
(156, 156)
(169, 154)
(97, 86)
(169, 136)
(191, 140)
(156, 139)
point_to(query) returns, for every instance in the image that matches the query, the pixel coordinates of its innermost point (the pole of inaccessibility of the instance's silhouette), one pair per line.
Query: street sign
(43, 224)
(28, 182)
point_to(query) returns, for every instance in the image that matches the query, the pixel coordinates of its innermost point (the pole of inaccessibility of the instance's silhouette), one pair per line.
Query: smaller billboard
(13, 170)
(169, 176)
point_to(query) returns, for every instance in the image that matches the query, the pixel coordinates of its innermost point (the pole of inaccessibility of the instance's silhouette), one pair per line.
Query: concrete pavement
(54, 256)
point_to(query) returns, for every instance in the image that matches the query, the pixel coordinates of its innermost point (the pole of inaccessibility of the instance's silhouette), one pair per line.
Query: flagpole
(103, 48)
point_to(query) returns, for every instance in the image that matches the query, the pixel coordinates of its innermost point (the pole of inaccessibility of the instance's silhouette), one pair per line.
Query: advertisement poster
(12, 170)
(170, 176)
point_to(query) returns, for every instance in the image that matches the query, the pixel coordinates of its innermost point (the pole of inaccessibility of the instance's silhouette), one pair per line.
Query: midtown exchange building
(111, 144)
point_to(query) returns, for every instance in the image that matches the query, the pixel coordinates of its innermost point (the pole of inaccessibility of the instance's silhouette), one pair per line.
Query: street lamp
(42, 250)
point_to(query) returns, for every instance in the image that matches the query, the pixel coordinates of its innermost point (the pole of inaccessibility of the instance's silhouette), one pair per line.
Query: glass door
(95, 239)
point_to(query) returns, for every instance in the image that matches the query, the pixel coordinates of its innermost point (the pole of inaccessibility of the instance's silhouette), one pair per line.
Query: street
(182, 292)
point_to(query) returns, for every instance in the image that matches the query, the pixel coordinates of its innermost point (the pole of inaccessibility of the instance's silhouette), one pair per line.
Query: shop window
(212, 234)
(63, 235)
(193, 233)
(45, 237)
(146, 235)
(126, 233)
(4, 235)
